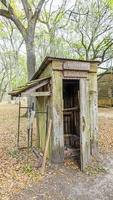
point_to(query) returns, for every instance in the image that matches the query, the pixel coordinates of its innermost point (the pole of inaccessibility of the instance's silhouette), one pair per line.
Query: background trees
(24, 14)
(76, 29)
(12, 58)
(90, 32)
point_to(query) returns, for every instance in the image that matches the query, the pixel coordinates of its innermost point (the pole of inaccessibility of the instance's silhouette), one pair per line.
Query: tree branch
(4, 3)
(82, 40)
(104, 52)
(19, 25)
(5, 13)
(9, 14)
(38, 9)
(27, 9)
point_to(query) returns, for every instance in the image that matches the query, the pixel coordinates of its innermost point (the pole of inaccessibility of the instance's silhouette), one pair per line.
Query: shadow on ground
(66, 183)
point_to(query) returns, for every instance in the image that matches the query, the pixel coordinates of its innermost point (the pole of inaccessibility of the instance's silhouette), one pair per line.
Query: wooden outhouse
(68, 88)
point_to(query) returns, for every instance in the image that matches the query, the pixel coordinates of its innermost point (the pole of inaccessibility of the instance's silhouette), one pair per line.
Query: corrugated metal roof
(49, 59)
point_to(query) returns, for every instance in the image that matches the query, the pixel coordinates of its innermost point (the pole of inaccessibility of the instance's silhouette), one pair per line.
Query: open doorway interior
(71, 119)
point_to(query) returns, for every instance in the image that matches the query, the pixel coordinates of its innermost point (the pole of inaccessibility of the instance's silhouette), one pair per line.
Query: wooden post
(84, 123)
(57, 109)
(46, 147)
(93, 109)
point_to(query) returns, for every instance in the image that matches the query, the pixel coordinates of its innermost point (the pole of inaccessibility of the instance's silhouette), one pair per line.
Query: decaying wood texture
(30, 86)
(75, 74)
(42, 103)
(78, 66)
(76, 114)
(46, 147)
(84, 123)
(71, 109)
(45, 72)
(41, 120)
(37, 94)
(36, 87)
(57, 108)
(93, 112)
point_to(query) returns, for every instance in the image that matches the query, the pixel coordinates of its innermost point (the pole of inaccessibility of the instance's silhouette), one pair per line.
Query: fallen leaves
(106, 130)
(16, 170)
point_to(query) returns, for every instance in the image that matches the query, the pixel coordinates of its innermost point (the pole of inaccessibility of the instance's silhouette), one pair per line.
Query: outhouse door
(84, 124)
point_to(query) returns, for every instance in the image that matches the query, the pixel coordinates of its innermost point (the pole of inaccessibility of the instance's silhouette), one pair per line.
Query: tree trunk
(31, 62)
(31, 59)
(30, 49)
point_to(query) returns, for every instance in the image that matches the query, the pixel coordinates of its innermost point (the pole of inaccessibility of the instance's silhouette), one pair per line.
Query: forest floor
(21, 180)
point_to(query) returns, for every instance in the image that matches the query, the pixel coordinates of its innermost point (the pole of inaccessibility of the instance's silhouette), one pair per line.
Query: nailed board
(57, 120)
(84, 124)
(93, 113)
(37, 94)
(82, 66)
(75, 74)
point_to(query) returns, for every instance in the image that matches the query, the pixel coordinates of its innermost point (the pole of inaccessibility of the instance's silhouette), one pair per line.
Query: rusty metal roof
(49, 59)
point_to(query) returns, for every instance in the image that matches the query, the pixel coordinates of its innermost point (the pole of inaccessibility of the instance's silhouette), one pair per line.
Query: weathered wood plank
(75, 74)
(93, 68)
(41, 121)
(57, 65)
(37, 94)
(74, 65)
(84, 123)
(57, 108)
(93, 112)
(39, 85)
(71, 109)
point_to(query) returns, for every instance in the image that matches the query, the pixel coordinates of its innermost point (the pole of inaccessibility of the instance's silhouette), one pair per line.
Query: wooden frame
(84, 124)
(37, 94)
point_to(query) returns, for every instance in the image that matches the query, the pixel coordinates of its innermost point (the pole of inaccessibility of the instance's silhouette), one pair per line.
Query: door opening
(71, 119)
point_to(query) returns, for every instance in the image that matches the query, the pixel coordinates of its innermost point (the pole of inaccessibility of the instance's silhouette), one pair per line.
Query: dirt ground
(21, 180)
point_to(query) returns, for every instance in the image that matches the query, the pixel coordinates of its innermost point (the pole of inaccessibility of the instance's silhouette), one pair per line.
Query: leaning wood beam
(29, 87)
(46, 147)
(33, 88)
(37, 94)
